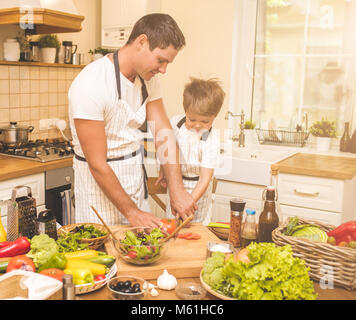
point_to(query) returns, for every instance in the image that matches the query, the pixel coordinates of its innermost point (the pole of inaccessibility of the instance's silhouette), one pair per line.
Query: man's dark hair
(160, 29)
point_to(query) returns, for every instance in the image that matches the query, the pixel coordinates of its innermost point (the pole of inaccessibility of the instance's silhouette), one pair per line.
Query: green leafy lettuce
(42, 249)
(272, 274)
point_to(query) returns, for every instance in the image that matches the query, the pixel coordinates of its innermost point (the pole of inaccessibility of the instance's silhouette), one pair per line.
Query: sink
(249, 165)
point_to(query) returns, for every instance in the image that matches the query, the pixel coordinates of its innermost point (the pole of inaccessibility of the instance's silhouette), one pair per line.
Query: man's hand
(139, 218)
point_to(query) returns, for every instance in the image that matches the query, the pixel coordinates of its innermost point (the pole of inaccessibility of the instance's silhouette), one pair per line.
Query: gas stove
(40, 150)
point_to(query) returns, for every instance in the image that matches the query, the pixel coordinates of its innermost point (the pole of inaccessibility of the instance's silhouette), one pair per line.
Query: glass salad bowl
(138, 245)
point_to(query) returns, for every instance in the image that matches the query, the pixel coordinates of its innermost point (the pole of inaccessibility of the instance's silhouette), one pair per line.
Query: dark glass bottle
(345, 139)
(268, 220)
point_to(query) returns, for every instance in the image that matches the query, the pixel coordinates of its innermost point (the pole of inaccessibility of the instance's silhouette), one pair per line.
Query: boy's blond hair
(204, 97)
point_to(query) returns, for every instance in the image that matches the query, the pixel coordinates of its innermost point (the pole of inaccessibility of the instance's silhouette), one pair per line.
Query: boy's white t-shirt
(195, 154)
(100, 101)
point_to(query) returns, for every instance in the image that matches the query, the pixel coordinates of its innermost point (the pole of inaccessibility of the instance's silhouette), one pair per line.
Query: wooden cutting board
(183, 258)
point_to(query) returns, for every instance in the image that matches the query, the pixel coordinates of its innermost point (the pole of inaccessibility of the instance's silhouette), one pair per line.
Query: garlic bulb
(154, 292)
(166, 281)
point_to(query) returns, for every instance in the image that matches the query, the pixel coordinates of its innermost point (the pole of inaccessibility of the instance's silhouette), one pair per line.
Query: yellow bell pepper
(95, 268)
(80, 276)
(2, 231)
(82, 254)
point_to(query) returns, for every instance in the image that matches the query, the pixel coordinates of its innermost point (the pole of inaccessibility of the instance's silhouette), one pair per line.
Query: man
(109, 101)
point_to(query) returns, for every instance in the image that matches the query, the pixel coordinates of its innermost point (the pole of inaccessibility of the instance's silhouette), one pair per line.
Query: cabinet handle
(307, 193)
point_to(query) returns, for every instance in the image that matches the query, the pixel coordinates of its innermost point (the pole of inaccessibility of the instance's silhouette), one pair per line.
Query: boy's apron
(190, 179)
(128, 166)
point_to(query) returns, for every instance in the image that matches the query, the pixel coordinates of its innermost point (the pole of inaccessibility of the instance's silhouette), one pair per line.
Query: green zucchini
(103, 259)
(3, 266)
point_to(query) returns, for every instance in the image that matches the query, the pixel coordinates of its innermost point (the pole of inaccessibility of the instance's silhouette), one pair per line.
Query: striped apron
(128, 166)
(190, 175)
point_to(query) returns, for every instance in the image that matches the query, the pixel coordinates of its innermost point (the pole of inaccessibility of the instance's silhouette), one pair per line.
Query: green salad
(140, 247)
(272, 274)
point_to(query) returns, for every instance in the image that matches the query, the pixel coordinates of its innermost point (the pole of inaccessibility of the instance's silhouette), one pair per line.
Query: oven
(58, 195)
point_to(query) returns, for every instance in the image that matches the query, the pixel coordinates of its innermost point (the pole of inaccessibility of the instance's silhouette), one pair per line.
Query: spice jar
(237, 207)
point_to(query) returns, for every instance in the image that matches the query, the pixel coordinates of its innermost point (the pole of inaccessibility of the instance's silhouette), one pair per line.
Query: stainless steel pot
(14, 135)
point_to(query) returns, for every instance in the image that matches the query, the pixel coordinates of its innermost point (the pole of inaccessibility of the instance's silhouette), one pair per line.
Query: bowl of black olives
(127, 288)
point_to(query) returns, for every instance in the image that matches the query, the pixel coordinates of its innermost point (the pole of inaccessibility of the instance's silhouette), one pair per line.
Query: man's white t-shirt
(93, 96)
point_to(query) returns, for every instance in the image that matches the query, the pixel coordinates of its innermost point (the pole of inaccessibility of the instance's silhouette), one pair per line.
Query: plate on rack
(213, 292)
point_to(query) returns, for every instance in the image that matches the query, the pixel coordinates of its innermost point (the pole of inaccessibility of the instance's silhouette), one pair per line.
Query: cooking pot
(14, 135)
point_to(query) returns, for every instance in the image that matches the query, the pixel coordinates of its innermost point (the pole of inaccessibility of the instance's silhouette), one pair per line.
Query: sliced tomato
(132, 254)
(184, 235)
(193, 236)
(189, 236)
(53, 273)
(21, 262)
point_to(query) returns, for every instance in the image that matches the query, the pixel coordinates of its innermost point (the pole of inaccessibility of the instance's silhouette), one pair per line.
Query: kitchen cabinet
(35, 181)
(226, 190)
(327, 200)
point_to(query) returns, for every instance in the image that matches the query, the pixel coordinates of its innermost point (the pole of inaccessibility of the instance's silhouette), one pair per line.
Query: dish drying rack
(282, 137)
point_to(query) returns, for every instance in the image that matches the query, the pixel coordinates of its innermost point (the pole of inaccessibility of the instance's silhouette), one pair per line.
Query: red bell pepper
(4, 244)
(344, 231)
(18, 247)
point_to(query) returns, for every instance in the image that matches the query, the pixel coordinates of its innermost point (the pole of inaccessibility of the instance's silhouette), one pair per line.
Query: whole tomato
(21, 262)
(53, 273)
(99, 277)
(169, 224)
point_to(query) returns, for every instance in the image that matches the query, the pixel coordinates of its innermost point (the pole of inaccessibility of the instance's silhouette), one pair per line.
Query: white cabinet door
(35, 181)
(333, 218)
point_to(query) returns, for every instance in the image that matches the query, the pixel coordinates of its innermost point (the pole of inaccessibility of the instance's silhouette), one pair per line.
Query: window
(300, 60)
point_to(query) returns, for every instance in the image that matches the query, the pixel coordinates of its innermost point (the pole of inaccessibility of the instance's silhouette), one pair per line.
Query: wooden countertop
(13, 167)
(333, 167)
(337, 293)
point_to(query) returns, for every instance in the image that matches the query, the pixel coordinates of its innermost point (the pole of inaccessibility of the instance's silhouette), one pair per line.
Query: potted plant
(250, 133)
(99, 52)
(49, 44)
(324, 131)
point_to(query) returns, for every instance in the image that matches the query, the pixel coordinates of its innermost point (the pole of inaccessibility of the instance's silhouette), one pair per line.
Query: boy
(199, 145)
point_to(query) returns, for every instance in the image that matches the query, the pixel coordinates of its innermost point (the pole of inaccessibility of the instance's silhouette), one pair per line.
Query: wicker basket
(94, 243)
(323, 259)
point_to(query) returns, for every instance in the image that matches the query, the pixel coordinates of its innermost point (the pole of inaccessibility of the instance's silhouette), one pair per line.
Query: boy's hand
(161, 179)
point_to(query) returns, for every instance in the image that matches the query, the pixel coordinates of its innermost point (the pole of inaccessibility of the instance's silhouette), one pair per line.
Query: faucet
(241, 137)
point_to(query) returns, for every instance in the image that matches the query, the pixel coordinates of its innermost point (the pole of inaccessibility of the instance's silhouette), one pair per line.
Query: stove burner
(40, 150)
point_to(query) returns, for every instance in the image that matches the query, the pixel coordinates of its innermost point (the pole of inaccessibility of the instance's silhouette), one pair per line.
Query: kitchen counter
(14, 167)
(337, 293)
(316, 165)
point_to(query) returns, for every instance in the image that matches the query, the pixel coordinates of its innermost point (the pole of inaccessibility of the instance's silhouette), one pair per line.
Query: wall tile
(14, 72)
(14, 100)
(25, 72)
(4, 101)
(34, 99)
(31, 93)
(4, 86)
(43, 86)
(25, 100)
(34, 73)
(14, 86)
(24, 86)
(4, 72)
(35, 86)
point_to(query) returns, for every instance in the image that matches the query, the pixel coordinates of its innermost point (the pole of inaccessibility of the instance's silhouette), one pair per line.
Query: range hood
(41, 16)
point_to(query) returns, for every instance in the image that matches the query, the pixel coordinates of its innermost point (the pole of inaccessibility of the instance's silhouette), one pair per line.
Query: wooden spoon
(183, 224)
(102, 221)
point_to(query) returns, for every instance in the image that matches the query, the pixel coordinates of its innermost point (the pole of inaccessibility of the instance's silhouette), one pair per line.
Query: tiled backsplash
(30, 93)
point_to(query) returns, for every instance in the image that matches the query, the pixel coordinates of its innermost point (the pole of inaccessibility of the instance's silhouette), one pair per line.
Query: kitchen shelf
(44, 20)
(40, 64)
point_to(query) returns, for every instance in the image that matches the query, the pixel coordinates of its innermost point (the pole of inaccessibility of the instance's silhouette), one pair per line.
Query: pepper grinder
(68, 289)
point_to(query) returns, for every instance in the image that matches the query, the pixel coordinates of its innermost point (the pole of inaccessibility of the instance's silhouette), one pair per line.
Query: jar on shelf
(11, 50)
